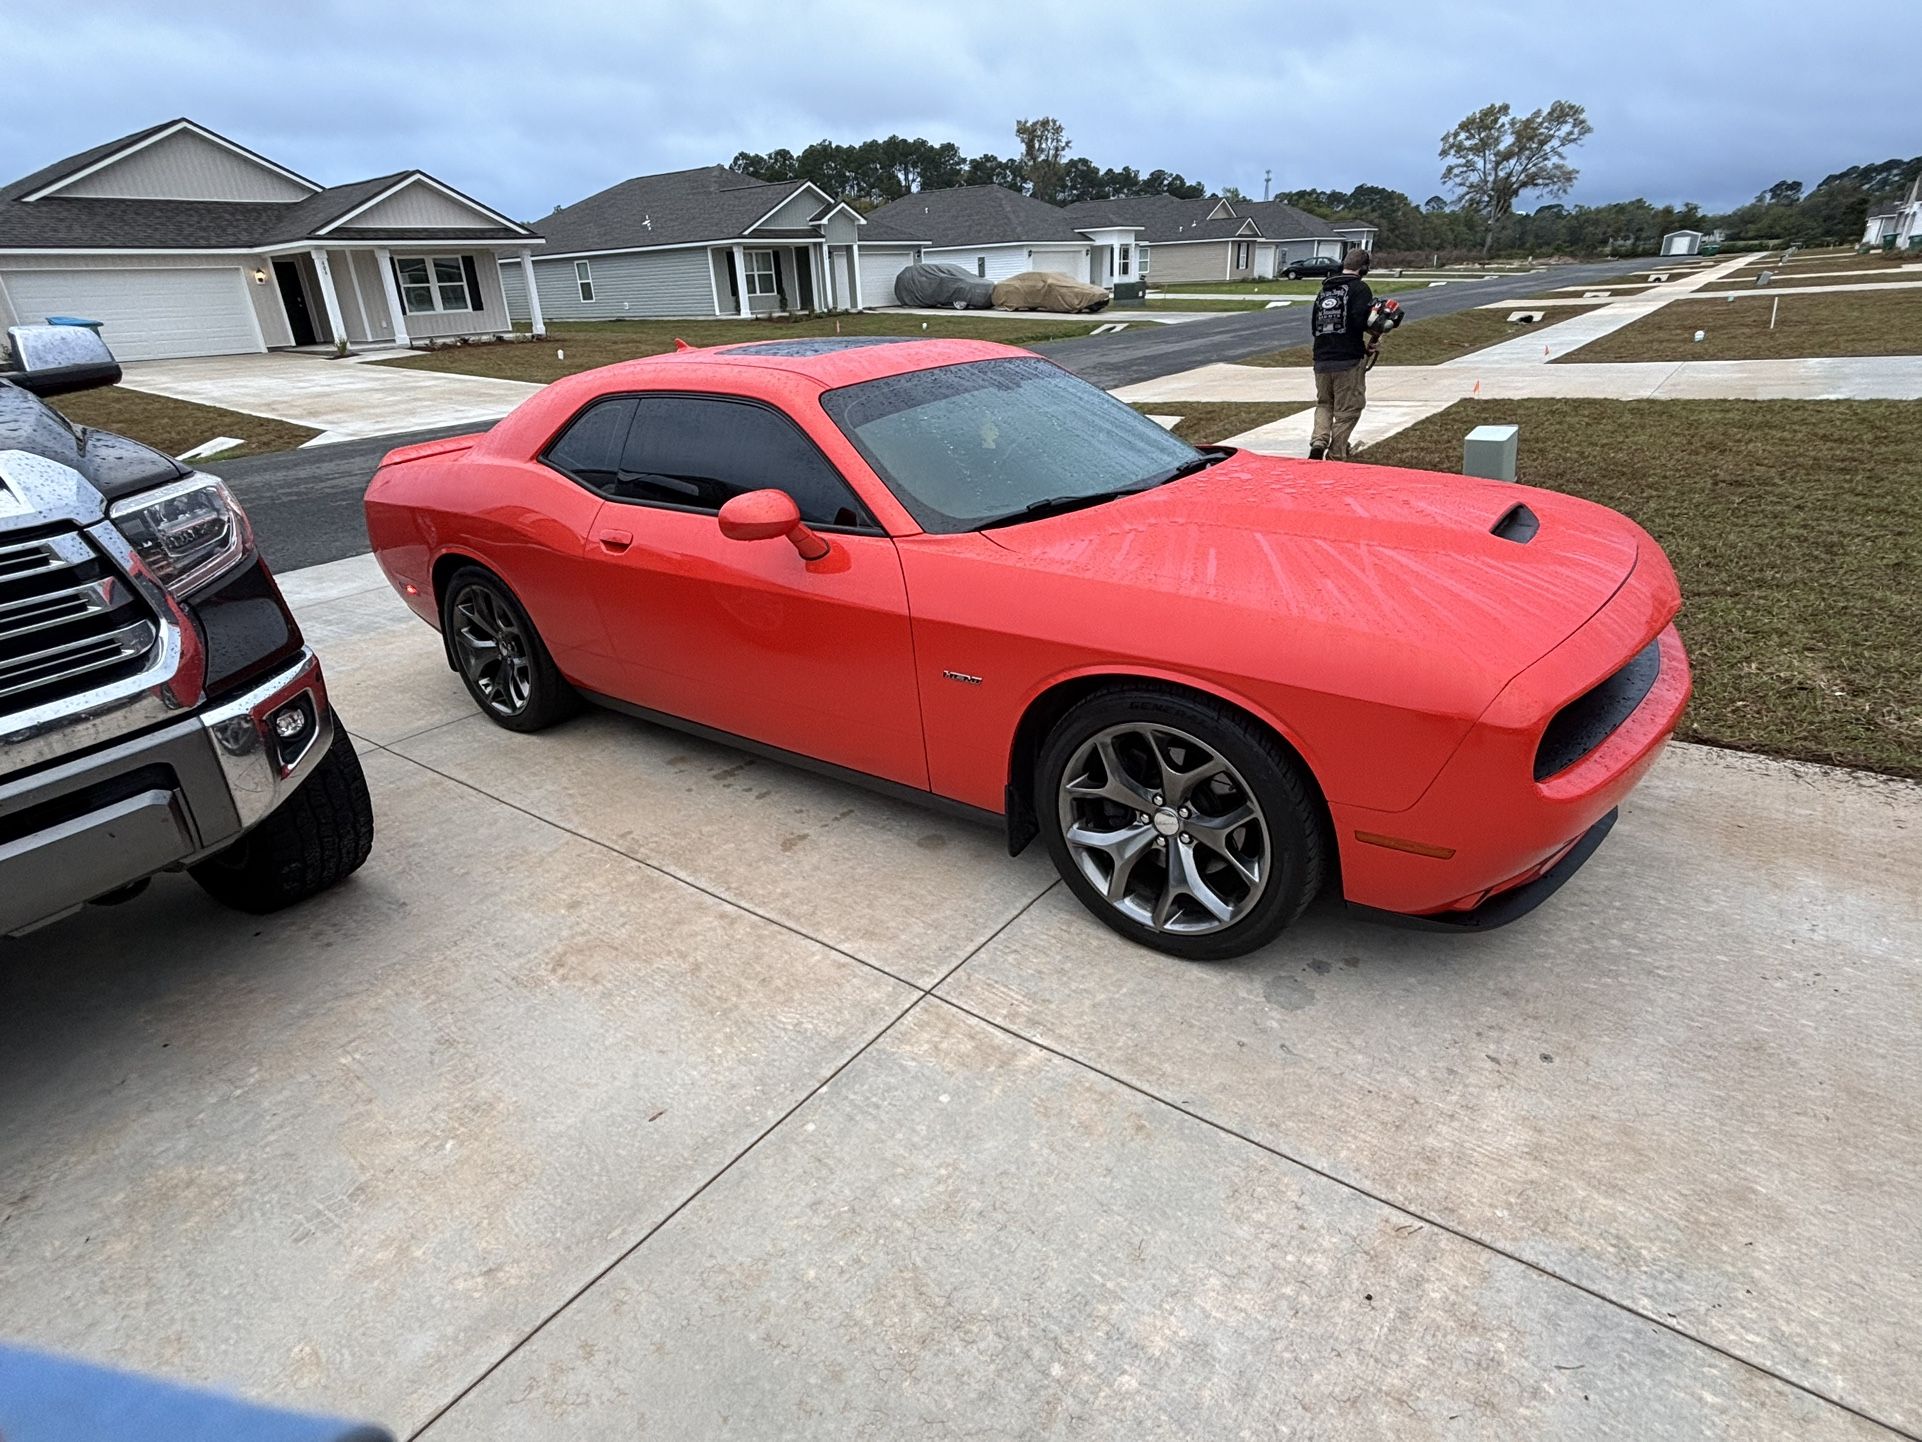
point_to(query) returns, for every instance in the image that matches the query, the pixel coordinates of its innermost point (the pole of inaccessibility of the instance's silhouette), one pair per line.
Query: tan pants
(1339, 398)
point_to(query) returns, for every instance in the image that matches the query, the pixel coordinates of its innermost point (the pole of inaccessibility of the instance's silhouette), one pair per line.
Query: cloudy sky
(535, 104)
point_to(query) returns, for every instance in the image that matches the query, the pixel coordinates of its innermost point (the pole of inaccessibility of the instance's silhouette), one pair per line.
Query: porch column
(854, 266)
(329, 300)
(823, 285)
(1114, 263)
(740, 279)
(533, 295)
(394, 313)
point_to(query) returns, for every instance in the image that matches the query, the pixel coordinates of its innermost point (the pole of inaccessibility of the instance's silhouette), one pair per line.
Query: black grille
(68, 621)
(1591, 718)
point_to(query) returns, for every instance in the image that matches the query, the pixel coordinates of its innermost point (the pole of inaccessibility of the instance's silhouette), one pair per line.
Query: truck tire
(320, 835)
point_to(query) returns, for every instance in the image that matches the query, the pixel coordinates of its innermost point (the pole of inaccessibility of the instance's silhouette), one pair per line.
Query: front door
(299, 320)
(803, 279)
(744, 636)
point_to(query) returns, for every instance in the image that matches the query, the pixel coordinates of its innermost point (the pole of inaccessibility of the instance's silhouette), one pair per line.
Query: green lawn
(175, 426)
(1852, 323)
(1208, 423)
(1794, 528)
(1427, 341)
(588, 344)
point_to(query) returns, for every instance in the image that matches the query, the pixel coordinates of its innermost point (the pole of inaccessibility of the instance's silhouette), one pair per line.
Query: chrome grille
(68, 621)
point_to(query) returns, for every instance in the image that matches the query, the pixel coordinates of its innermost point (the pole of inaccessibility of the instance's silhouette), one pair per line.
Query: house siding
(265, 298)
(186, 167)
(794, 214)
(490, 319)
(1192, 261)
(651, 283)
(420, 206)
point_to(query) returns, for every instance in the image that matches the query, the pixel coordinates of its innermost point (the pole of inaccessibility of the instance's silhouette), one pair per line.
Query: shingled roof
(977, 215)
(677, 207)
(60, 222)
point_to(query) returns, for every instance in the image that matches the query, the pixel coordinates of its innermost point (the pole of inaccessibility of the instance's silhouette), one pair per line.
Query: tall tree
(1494, 156)
(1044, 151)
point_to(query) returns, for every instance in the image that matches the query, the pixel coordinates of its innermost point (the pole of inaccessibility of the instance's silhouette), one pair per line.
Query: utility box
(1130, 292)
(1489, 452)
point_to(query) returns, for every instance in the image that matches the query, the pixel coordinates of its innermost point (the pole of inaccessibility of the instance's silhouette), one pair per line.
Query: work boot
(1316, 453)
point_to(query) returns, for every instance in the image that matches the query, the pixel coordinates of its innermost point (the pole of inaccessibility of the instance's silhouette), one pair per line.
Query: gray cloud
(537, 104)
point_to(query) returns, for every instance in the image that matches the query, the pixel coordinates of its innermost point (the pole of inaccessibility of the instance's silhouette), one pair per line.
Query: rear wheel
(1179, 821)
(320, 835)
(500, 655)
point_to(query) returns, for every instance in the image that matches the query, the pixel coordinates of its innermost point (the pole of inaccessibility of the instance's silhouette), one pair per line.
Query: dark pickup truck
(159, 709)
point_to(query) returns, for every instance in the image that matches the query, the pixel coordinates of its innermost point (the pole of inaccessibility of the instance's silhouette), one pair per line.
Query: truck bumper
(80, 829)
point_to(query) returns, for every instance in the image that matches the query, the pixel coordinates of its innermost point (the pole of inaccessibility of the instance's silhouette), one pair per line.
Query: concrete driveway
(342, 399)
(639, 1088)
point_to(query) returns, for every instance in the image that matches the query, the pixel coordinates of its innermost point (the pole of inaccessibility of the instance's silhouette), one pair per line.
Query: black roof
(975, 215)
(1161, 219)
(69, 222)
(677, 207)
(1281, 221)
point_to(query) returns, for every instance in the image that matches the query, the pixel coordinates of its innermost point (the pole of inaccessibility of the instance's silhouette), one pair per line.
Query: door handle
(615, 540)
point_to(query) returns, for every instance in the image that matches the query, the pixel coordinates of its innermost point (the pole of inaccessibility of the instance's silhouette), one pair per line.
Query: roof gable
(177, 160)
(416, 201)
(677, 207)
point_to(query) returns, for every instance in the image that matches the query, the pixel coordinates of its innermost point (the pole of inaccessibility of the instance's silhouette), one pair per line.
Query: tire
(1176, 750)
(319, 836)
(519, 688)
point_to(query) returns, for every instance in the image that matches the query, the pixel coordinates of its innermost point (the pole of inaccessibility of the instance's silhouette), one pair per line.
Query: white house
(996, 232)
(708, 242)
(1682, 242)
(1904, 222)
(182, 242)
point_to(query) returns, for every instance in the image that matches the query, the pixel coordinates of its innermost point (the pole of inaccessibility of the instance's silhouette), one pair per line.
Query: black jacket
(1345, 349)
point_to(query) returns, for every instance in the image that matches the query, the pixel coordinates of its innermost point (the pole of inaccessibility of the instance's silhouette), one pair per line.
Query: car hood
(1404, 561)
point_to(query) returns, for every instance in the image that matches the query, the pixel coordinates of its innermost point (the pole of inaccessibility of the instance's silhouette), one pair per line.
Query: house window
(430, 283)
(584, 278)
(1241, 254)
(762, 279)
(1141, 254)
(1124, 260)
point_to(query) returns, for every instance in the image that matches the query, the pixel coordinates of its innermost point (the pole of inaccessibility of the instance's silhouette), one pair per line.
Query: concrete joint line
(1426, 1219)
(921, 995)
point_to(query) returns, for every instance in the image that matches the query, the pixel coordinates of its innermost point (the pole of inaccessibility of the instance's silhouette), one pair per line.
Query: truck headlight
(187, 534)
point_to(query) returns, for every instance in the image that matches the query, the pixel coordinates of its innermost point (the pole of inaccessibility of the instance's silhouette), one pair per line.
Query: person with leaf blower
(1338, 320)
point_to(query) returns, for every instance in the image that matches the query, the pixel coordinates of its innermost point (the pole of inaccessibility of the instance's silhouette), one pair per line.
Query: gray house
(704, 242)
(996, 232)
(184, 243)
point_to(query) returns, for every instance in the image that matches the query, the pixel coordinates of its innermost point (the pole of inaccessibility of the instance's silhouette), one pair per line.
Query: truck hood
(112, 465)
(1491, 575)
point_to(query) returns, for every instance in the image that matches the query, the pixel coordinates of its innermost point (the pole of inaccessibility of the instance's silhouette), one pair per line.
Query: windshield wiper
(1058, 506)
(1209, 456)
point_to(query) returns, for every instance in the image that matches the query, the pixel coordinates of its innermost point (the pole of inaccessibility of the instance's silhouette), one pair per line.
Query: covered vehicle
(1211, 682)
(933, 284)
(1048, 290)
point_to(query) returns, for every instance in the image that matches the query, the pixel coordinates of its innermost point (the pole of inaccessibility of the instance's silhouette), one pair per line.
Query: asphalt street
(305, 504)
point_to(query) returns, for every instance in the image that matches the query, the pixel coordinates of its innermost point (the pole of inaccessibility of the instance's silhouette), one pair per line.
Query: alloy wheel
(1165, 828)
(493, 650)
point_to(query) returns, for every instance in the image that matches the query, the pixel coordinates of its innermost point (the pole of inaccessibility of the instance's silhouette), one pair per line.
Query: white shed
(1682, 242)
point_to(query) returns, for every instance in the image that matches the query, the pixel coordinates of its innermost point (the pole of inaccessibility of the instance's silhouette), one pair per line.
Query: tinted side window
(589, 450)
(692, 451)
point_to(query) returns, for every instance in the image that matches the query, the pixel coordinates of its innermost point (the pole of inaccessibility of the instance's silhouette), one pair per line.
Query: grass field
(1794, 528)
(1852, 323)
(589, 344)
(1208, 423)
(1434, 339)
(175, 426)
(1742, 281)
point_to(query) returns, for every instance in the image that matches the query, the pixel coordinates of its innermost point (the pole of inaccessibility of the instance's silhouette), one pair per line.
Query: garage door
(878, 270)
(146, 314)
(1065, 262)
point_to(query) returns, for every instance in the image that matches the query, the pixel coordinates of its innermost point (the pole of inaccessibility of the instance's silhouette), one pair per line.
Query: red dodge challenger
(1213, 682)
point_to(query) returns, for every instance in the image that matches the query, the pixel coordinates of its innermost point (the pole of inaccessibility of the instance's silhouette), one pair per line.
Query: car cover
(943, 285)
(1048, 290)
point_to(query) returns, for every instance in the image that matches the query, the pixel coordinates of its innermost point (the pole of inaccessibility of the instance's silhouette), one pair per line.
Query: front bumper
(170, 797)
(1485, 828)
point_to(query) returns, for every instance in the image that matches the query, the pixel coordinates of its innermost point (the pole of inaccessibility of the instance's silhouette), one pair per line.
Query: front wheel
(1180, 822)
(319, 836)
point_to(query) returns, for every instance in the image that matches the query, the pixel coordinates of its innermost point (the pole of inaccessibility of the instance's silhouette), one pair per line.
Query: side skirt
(879, 784)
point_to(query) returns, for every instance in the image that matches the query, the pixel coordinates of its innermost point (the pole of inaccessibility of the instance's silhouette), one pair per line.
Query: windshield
(965, 446)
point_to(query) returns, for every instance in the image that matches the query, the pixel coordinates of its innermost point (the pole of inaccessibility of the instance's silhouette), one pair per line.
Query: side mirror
(55, 360)
(763, 515)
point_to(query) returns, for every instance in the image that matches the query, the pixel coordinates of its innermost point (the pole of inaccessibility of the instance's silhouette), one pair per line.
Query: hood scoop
(1517, 524)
